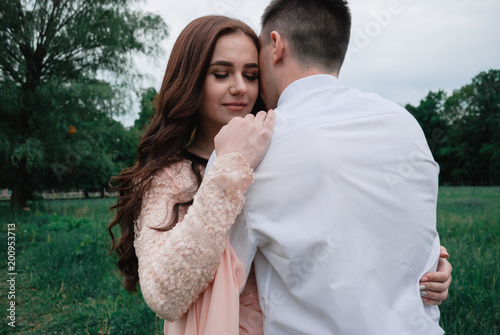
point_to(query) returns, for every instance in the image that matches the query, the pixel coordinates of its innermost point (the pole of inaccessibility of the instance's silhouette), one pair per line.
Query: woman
(176, 253)
(211, 77)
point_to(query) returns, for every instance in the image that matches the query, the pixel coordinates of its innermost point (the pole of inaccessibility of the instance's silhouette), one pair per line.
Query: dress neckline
(195, 158)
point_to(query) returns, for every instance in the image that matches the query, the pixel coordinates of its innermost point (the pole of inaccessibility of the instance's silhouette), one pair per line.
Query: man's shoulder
(336, 105)
(375, 101)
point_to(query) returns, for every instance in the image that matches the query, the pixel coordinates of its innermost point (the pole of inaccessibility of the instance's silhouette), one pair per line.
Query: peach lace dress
(195, 256)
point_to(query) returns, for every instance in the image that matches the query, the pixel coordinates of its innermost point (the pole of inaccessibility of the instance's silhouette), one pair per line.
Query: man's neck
(294, 72)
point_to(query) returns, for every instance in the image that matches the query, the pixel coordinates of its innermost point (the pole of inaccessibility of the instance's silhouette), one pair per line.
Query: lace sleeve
(177, 265)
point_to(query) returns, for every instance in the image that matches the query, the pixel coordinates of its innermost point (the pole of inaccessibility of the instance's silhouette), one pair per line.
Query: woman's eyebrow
(226, 63)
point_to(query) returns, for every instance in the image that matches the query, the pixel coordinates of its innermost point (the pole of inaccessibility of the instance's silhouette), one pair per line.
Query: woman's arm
(177, 265)
(434, 285)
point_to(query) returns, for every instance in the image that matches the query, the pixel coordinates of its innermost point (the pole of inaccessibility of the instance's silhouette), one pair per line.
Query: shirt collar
(306, 84)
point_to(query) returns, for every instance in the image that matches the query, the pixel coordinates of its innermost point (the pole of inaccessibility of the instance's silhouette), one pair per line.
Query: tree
(473, 113)
(62, 64)
(93, 147)
(429, 115)
(463, 130)
(148, 108)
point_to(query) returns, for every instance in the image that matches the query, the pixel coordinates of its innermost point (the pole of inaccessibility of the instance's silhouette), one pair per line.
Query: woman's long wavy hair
(169, 132)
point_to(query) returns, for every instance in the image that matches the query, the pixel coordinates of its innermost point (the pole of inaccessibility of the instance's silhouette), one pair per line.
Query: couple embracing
(294, 221)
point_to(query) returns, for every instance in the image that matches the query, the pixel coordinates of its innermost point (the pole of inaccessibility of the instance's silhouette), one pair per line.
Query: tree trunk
(21, 191)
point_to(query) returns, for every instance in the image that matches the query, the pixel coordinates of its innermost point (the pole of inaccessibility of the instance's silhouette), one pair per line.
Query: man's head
(312, 34)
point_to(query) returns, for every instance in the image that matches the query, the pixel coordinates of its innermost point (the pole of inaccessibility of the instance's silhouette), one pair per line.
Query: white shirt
(341, 218)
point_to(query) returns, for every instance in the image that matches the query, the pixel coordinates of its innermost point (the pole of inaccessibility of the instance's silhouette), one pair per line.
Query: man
(340, 221)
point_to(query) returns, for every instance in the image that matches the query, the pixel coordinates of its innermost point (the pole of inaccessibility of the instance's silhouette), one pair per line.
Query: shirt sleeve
(177, 265)
(243, 240)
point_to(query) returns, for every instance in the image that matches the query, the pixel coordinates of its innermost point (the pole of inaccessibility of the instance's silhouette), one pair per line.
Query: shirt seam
(322, 122)
(263, 302)
(247, 221)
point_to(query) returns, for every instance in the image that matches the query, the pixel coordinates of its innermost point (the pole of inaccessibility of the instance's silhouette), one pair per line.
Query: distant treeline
(463, 130)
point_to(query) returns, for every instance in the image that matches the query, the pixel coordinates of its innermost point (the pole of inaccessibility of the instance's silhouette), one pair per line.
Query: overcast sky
(399, 49)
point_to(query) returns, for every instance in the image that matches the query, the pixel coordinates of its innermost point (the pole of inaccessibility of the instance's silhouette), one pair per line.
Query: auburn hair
(169, 132)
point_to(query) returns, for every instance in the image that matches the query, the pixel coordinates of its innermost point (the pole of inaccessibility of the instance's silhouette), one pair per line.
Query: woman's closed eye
(220, 75)
(251, 76)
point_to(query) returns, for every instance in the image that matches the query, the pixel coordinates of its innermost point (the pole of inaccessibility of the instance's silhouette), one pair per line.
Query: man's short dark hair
(318, 31)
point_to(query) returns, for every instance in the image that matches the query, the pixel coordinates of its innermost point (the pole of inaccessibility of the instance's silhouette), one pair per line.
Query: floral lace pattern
(176, 265)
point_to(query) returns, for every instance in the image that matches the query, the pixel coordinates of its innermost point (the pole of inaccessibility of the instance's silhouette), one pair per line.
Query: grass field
(66, 282)
(469, 226)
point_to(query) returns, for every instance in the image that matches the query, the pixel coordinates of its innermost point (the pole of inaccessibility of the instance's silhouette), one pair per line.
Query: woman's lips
(236, 106)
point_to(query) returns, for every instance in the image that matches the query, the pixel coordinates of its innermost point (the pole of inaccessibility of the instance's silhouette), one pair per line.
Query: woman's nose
(238, 87)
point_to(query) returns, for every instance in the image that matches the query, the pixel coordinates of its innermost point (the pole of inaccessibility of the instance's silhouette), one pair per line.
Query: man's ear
(278, 47)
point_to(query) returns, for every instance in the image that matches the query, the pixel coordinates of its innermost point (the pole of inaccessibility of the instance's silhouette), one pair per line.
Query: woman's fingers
(249, 117)
(270, 120)
(442, 274)
(250, 136)
(434, 285)
(260, 117)
(443, 253)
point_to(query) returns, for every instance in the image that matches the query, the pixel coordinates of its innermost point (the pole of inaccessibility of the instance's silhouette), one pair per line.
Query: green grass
(68, 284)
(469, 226)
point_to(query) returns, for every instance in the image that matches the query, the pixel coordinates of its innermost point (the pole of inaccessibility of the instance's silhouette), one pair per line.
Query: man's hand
(250, 136)
(437, 283)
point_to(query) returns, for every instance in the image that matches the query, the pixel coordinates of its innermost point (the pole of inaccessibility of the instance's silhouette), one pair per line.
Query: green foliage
(62, 64)
(148, 108)
(69, 39)
(462, 130)
(31, 152)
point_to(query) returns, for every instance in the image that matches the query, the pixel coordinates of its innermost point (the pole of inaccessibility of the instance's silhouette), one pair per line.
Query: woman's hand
(250, 136)
(434, 285)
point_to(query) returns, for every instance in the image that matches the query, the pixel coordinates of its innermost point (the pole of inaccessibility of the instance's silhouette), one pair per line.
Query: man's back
(342, 212)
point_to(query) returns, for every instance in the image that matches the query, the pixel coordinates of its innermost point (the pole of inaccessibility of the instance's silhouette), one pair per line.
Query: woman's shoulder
(174, 169)
(179, 173)
(173, 173)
